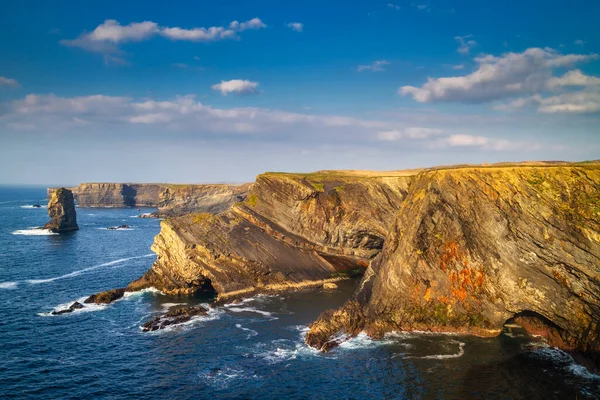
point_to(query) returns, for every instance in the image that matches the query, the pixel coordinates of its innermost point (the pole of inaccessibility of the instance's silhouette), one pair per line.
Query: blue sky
(197, 91)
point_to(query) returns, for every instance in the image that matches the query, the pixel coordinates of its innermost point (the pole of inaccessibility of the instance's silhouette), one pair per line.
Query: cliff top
(349, 174)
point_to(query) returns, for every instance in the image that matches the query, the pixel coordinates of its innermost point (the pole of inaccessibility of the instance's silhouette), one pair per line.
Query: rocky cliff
(170, 199)
(471, 248)
(61, 210)
(293, 230)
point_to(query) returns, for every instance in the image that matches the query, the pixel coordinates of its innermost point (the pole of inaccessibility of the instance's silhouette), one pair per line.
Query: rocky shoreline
(451, 249)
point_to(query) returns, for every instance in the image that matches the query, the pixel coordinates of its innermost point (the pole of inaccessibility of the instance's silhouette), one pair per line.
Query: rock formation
(174, 317)
(61, 209)
(170, 199)
(293, 230)
(471, 248)
(106, 297)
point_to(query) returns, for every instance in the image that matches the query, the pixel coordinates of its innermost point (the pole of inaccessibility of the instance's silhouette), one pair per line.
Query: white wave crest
(34, 232)
(251, 332)
(8, 285)
(76, 273)
(461, 352)
(90, 307)
(221, 378)
(128, 295)
(237, 309)
(361, 341)
(167, 306)
(32, 206)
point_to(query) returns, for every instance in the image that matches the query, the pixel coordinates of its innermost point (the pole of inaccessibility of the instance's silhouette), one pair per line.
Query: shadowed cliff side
(293, 230)
(474, 247)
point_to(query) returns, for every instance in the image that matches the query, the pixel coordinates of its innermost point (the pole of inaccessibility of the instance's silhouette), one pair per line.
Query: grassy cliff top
(328, 175)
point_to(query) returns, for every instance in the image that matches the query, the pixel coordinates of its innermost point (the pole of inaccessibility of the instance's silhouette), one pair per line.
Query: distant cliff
(170, 199)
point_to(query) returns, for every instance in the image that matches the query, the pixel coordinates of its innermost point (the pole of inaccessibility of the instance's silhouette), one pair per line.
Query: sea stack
(61, 209)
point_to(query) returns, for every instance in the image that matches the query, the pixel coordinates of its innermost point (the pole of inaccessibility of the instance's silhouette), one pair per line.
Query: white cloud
(573, 78)
(295, 26)
(186, 117)
(106, 37)
(458, 66)
(573, 102)
(152, 118)
(394, 6)
(408, 133)
(579, 42)
(8, 82)
(375, 66)
(237, 86)
(114, 32)
(509, 75)
(482, 142)
(465, 44)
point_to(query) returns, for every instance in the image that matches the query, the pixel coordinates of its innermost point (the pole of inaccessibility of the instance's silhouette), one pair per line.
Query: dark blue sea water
(252, 350)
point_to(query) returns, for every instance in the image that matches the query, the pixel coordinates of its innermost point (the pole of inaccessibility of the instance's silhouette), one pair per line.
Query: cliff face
(474, 247)
(293, 230)
(61, 210)
(171, 200)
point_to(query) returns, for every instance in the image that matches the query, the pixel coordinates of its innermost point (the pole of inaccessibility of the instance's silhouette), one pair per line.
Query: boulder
(106, 297)
(174, 317)
(330, 286)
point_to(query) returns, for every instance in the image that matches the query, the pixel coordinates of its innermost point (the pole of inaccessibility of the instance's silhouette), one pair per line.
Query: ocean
(251, 350)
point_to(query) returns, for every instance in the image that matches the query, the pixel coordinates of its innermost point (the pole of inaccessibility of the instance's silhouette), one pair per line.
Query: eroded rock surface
(61, 209)
(170, 199)
(106, 297)
(174, 317)
(293, 230)
(473, 247)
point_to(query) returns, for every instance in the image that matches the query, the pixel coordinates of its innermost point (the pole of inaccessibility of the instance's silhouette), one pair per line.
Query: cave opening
(206, 291)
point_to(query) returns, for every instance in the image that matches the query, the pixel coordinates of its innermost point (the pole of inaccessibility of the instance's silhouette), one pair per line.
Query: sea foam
(81, 271)
(34, 232)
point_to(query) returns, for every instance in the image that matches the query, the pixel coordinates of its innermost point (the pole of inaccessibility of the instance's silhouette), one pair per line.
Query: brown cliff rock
(474, 247)
(170, 199)
(61, 209)
(293, 231)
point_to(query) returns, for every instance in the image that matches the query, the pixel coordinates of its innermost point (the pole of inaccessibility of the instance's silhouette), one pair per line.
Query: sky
(199, 91)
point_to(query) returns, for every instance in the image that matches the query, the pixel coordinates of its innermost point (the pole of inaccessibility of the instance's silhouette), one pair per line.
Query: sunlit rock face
(292, 231)
(61, 210)
(471, 248)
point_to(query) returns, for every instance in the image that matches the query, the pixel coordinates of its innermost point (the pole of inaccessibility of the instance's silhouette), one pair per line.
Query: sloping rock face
(293, 230)
(61, 210)
(473, 247)
(170, 199)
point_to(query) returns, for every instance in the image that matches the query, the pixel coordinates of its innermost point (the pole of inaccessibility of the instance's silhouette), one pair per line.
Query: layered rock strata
(292, 231)
(471, 248)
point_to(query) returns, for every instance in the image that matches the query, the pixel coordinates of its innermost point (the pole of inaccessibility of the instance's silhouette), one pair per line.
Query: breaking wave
(76, 273)
(8, 285)
(34, 232)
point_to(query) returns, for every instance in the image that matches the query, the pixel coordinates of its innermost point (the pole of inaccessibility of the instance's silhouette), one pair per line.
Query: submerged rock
(330, 286)
(114, 228)
(174, 317)
(474, 247)
(61, 209)
(106, 297)
(72, 307)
